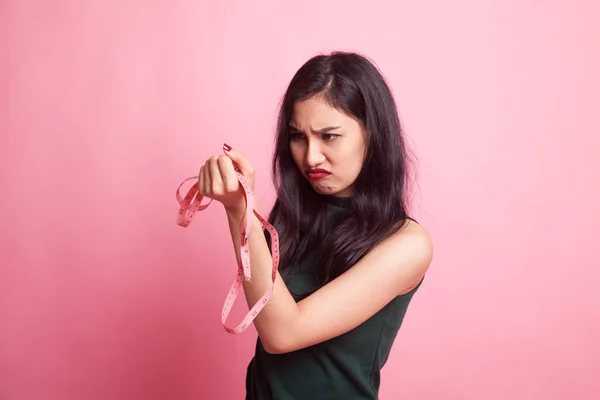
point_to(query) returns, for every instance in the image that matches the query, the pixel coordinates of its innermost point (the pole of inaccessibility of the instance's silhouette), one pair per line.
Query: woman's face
(327, 145)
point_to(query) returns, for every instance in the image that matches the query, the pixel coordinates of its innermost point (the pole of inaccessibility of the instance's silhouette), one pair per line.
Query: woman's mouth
(316, 174)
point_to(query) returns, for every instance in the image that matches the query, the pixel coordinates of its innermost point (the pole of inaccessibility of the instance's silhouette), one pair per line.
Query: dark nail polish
(227, 147)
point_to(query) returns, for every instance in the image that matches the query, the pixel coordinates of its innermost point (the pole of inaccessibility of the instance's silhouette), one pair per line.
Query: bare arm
(281, 309)
(393, 267)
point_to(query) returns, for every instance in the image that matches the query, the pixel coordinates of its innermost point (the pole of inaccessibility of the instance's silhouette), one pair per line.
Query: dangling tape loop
(191, 204)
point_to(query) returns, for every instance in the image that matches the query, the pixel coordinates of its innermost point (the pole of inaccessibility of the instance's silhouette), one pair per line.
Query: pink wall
(107, 105)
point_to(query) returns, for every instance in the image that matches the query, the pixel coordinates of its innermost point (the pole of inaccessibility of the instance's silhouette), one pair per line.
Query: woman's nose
(314, 155)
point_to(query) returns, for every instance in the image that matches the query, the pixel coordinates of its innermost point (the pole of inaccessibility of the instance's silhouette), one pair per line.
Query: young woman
(351, 257)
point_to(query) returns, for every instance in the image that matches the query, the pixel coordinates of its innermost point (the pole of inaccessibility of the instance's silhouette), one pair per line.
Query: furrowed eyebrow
(328, 129)
(323, 130)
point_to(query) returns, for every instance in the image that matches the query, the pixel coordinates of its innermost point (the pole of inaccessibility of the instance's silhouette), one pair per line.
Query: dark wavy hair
(378, 206)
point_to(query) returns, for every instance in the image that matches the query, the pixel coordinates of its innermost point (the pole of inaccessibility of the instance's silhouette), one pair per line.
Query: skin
(392, 268)
(322, 137)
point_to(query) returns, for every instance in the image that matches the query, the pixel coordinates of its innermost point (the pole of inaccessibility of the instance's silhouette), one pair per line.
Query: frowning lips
(317, 173)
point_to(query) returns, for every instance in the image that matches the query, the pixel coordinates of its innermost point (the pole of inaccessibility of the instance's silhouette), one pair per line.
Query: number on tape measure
(191, 204)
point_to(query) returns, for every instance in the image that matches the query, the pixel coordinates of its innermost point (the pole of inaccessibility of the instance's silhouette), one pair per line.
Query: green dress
(346, 367)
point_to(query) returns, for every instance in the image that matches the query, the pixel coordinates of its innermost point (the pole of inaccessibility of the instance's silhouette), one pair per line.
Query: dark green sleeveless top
(346, 367)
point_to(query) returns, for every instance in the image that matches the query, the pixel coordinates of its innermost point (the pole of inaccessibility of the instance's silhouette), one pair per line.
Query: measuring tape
(191, 204)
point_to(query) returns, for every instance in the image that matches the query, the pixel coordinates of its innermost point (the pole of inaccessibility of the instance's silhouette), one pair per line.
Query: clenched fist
(218, 180)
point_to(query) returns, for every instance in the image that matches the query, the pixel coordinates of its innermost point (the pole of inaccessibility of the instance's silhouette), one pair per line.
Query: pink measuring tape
(191, 204)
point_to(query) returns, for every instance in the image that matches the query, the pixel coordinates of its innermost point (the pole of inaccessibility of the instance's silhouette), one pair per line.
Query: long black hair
(353, 85)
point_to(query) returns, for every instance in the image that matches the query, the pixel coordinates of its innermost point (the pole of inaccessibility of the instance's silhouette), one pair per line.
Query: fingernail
(226, 147)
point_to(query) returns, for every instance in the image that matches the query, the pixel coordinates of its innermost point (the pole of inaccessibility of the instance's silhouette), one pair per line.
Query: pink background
(106, 106)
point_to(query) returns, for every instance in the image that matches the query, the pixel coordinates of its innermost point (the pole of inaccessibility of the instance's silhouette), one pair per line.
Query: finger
(243, 164)
(216, 181)
(201, 181)
(227, 171)
(205, 180)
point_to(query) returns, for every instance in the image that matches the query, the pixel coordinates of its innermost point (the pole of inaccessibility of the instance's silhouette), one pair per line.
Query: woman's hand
(218, 180)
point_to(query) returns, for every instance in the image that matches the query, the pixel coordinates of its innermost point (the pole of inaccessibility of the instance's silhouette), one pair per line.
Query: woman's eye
(329, 137)
(295, 136)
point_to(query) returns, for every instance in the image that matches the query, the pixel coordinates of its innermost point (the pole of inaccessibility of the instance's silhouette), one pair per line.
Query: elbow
(277, 346)
(281, 338)
(274, 349)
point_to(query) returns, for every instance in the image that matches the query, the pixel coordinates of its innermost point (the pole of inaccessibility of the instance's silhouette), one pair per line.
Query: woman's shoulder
(412, 236)
(412, 227)
(412, 244)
